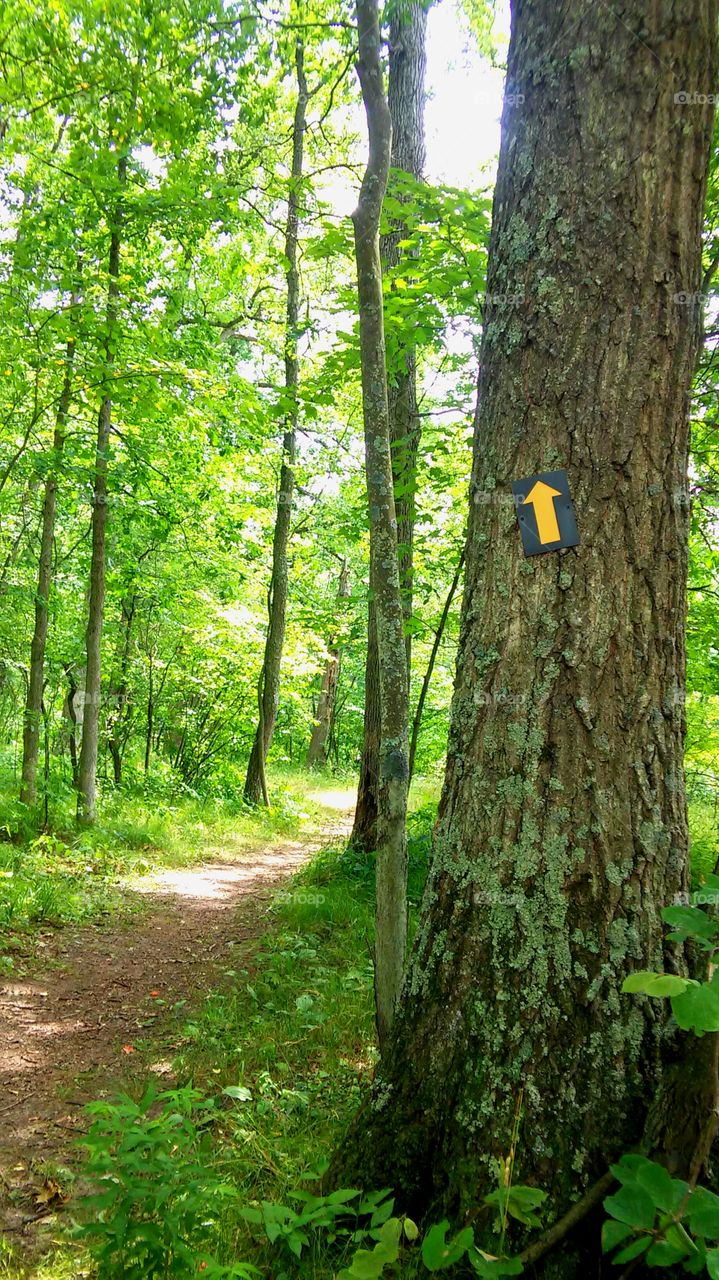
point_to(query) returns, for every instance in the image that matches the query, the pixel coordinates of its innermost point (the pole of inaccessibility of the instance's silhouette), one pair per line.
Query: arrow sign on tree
(545, 512)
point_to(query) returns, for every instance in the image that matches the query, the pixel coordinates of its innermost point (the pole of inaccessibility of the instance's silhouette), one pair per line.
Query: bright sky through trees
(465, 98)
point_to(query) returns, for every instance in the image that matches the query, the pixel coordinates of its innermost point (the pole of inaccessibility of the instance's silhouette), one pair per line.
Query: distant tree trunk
(562, 830)
(274, 644)
(406, 95)
(119, 691)
(317, 750)
(72, 717)
(33, 705)
(364, 827)
(87, 773)
(391, 874)
(150, 722)
(44, 712)
(417, 719)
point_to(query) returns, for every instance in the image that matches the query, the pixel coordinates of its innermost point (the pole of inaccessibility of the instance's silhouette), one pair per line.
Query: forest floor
(97, 1006)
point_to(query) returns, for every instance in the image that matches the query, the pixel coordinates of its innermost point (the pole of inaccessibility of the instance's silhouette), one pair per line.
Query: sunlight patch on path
(339, 799)
(220, 882)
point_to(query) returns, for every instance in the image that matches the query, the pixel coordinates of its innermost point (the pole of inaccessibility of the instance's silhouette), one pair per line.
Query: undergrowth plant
(155, 1199)
(665, 1221)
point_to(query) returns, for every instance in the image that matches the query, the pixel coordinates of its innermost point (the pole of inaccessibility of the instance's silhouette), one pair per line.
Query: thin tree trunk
(33, 705)
(72, 717)
(417, 721)
(255, 784)
(87, 773)
(391, 891)
(317, 750)
(45, 714)
(562, 831)
(120, 691)
(150, 717)
(364, 827)
(406, 95)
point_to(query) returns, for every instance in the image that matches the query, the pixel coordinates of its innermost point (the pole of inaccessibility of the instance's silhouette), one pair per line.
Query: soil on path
(68, 1032)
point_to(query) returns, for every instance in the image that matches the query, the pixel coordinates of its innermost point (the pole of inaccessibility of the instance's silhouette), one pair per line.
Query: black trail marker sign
(545, 512)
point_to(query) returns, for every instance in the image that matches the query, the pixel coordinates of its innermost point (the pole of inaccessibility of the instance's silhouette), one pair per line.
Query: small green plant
(663, 1220)
(338, 1216)
(334, 1215)
(438, 1253)
(154, 1202)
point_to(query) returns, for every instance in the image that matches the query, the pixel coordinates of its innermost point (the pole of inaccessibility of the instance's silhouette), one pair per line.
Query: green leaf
(614, 1233)
(519, 1202)
(488, 1267)
(703, 1213)
(636, 982)
(438, 1252)
(698, 1008)
(633, 1250)
(237, 1091)
(633, 1205)
(690, 922)
(665, 1192)
(712, 1263)
(655, 984)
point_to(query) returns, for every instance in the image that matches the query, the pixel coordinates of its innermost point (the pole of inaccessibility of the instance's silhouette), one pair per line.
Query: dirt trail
(68, 1032)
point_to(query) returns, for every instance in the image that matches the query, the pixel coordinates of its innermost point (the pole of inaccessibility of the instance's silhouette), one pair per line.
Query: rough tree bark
(405, 95)
(33, 705)
(391, 890)
(317, 750)
(562, 830)
(274, 644)
(87, 768)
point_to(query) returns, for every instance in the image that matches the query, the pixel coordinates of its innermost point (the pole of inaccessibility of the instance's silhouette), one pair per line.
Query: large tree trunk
(255, 786)
(33, 705)
(87, 770)
(391, 874)
(562, 830)
(317, 750)
(405, 96)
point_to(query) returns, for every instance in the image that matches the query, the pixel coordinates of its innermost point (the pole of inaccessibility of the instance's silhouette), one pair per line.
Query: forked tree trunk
(391, 874)
(405, 96)
(269, 688)
(87, 769)
(33, 705)
(317, 750)
(562, 831)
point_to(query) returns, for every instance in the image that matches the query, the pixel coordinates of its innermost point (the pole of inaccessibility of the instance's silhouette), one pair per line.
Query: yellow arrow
(542, 498)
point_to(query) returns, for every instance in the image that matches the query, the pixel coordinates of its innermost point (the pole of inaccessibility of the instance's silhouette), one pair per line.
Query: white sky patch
(153, 164)
(464, 101)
